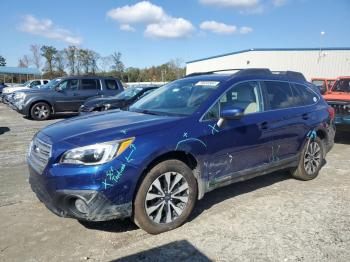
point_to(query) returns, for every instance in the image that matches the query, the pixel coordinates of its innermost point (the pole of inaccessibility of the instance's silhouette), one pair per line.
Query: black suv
(63, 95)
(120, 101)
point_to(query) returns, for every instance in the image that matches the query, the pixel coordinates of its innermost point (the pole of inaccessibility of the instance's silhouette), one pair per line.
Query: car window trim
(263, 97)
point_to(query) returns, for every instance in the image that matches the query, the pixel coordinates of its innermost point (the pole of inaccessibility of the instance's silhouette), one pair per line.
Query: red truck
(337, 95)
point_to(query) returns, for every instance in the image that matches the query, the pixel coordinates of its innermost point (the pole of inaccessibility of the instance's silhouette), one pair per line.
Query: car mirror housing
(234, 113)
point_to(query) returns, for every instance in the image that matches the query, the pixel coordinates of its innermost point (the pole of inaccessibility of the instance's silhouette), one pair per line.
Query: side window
(246, 96)
(45, 82)
(304, 95)
(35, 83)
(89, 84)
(111, 84)
(71, 84)
(213, 113)
(279, 95)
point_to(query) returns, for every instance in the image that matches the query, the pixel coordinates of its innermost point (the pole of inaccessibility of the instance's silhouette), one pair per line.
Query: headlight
(19, 96)
(96, 154)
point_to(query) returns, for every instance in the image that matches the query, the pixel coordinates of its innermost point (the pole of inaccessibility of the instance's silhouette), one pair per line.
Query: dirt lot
(270, 218)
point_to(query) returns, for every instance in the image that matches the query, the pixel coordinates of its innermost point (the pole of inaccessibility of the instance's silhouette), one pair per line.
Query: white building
(312, 62)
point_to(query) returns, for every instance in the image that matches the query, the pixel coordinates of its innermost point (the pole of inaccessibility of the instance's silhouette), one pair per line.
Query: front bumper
(62, 202)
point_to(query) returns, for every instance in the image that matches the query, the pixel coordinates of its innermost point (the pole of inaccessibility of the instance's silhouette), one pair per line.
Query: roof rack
(293, 74)
(253, 71)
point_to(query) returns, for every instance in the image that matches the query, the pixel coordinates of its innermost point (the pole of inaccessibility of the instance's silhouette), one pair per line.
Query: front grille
(341, 109)
(39, 154)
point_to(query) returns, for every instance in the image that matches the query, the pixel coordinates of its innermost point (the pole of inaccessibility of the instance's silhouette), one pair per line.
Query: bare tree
(93, 60)
(60, 62)
(36, 55)
(23, 61)
(117, 62)
(49, 52)
(106, 63)
(71, 57)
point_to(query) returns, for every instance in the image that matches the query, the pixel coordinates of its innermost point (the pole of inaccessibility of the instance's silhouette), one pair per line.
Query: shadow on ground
(174, 251)
(3, 130)
(207, 202)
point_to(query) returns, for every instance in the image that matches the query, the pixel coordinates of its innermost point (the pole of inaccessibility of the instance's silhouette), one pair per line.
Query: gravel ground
(269, 218)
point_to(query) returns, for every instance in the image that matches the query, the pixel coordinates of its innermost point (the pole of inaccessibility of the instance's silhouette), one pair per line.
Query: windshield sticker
(207, 83)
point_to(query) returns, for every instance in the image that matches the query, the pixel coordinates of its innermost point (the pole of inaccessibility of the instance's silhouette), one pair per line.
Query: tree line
(79, 61)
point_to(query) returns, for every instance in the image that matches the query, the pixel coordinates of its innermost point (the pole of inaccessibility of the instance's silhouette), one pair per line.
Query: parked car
(2, 86)
(120, 101)
(63, 95)
(26, 85)
(186, 138)
(339, 98)
(323, 84)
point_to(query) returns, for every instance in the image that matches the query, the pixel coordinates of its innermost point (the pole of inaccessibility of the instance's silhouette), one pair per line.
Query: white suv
(26, 85)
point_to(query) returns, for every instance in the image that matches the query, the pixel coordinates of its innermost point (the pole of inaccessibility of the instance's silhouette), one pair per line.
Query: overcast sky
(152, 32)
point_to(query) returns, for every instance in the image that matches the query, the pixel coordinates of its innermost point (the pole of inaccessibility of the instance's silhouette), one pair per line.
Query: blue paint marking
(106, 184)
(274, 154)
(188, 140)
(133, 149)
(214, 129)
(312, 134)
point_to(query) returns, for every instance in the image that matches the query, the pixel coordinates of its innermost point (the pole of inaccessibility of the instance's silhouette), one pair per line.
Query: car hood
(101, 101)
(11, 89)
(106, 126)
(343, 96)
(35, 91)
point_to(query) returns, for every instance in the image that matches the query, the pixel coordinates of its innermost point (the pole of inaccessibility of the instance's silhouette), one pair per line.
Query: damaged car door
(238, 144)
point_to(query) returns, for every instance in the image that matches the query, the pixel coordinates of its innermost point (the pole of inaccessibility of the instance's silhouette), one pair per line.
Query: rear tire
(40, 111)
(166, 197)
(311, 160)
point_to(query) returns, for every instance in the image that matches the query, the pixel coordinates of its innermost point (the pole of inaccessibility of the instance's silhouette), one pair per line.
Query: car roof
(88, 77)
(251, 73)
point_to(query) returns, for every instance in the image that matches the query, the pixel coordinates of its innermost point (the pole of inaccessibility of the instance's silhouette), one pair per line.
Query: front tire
(40, 111)
(166, 197)
(311, 160)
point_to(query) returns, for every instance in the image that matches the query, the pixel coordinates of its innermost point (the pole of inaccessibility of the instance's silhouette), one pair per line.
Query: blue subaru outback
(183, 140)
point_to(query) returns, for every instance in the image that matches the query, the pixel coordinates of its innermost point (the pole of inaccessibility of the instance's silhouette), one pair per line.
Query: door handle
(75, 94)
(264, 125)
(306, 116)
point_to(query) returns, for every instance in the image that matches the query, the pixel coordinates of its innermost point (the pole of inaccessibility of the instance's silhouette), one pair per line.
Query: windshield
(129, 93)
(25, 83)
(342, 86)
(181, 97)
(51, 84)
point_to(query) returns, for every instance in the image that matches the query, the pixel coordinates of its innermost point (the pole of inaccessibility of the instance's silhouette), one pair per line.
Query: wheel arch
(183, 156)
(32, 103)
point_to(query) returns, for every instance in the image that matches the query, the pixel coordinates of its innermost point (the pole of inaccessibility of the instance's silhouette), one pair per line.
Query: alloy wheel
(312, 158)
(41, 111)
(167, 198)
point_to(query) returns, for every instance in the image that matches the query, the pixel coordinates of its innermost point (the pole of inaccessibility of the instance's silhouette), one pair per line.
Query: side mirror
(230, 114)
(58, 89)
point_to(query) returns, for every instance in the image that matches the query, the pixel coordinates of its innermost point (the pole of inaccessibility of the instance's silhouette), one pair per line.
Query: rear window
(304, 96)
(89, 84)
(279, 94)
(111, 84)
